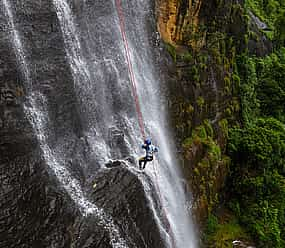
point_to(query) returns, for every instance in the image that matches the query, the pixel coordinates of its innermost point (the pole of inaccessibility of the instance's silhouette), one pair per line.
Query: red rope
(130, 67)
(135, 94)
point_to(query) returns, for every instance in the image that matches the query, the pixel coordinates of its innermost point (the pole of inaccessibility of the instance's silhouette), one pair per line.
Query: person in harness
(150, 150)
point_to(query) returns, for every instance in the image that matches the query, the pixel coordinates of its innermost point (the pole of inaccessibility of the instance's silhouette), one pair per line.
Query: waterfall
(96, 56)
(98, 47)
(149, 84)
(36, 112)
(82, 79)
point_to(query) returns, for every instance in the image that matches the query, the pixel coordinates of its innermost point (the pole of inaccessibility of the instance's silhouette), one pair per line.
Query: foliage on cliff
(204, 100)
(257, 181)
(230, 92)
(257, 146)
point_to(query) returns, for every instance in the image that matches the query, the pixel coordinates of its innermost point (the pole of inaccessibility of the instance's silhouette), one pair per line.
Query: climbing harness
(135, 94)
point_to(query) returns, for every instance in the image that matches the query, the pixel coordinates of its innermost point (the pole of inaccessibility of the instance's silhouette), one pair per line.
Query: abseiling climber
(150, 150)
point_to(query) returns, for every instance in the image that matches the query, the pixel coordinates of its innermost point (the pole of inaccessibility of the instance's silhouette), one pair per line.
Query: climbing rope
(130, 67)
(138, 109)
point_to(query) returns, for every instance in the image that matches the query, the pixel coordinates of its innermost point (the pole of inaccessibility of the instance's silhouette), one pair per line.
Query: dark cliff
(36, 210)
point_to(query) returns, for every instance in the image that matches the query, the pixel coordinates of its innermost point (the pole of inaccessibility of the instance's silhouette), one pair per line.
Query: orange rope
(135, 94)
(130, 67)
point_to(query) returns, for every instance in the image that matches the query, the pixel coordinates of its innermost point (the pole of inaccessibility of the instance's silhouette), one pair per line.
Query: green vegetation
(253, 91)
(267, 10)
(203, 138)
(221, 233)
(272, 13)
(258, 182)
(171, 50)
(257, 147)
(271, 87)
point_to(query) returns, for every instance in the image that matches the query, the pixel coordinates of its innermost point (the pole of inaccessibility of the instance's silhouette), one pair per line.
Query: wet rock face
(34, 213)
(35, 210)
(122, 196)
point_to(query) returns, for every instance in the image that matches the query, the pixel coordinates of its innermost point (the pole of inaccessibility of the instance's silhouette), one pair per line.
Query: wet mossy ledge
(227, 85)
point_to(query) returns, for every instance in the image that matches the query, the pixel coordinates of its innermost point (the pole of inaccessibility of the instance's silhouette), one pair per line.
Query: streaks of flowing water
(36, 113)
(149, 84)
(19, 51)
(39, 120)
(83, 79)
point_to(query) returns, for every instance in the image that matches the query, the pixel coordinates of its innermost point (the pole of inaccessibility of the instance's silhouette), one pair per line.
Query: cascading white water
(169, 178)
(101, 82)
(19, 51)
(152, 101)
(82, 78)
(103, 56)
(36, 112)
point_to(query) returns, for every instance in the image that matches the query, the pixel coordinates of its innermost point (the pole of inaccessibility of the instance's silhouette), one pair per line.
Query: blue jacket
(150, 150)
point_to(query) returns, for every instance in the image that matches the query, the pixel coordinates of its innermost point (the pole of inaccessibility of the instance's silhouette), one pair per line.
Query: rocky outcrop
(35, 212)
(178, 22)
(258, 43)
(121, 195)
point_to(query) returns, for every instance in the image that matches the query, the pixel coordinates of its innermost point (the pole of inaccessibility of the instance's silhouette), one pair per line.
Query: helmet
(147, 141)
